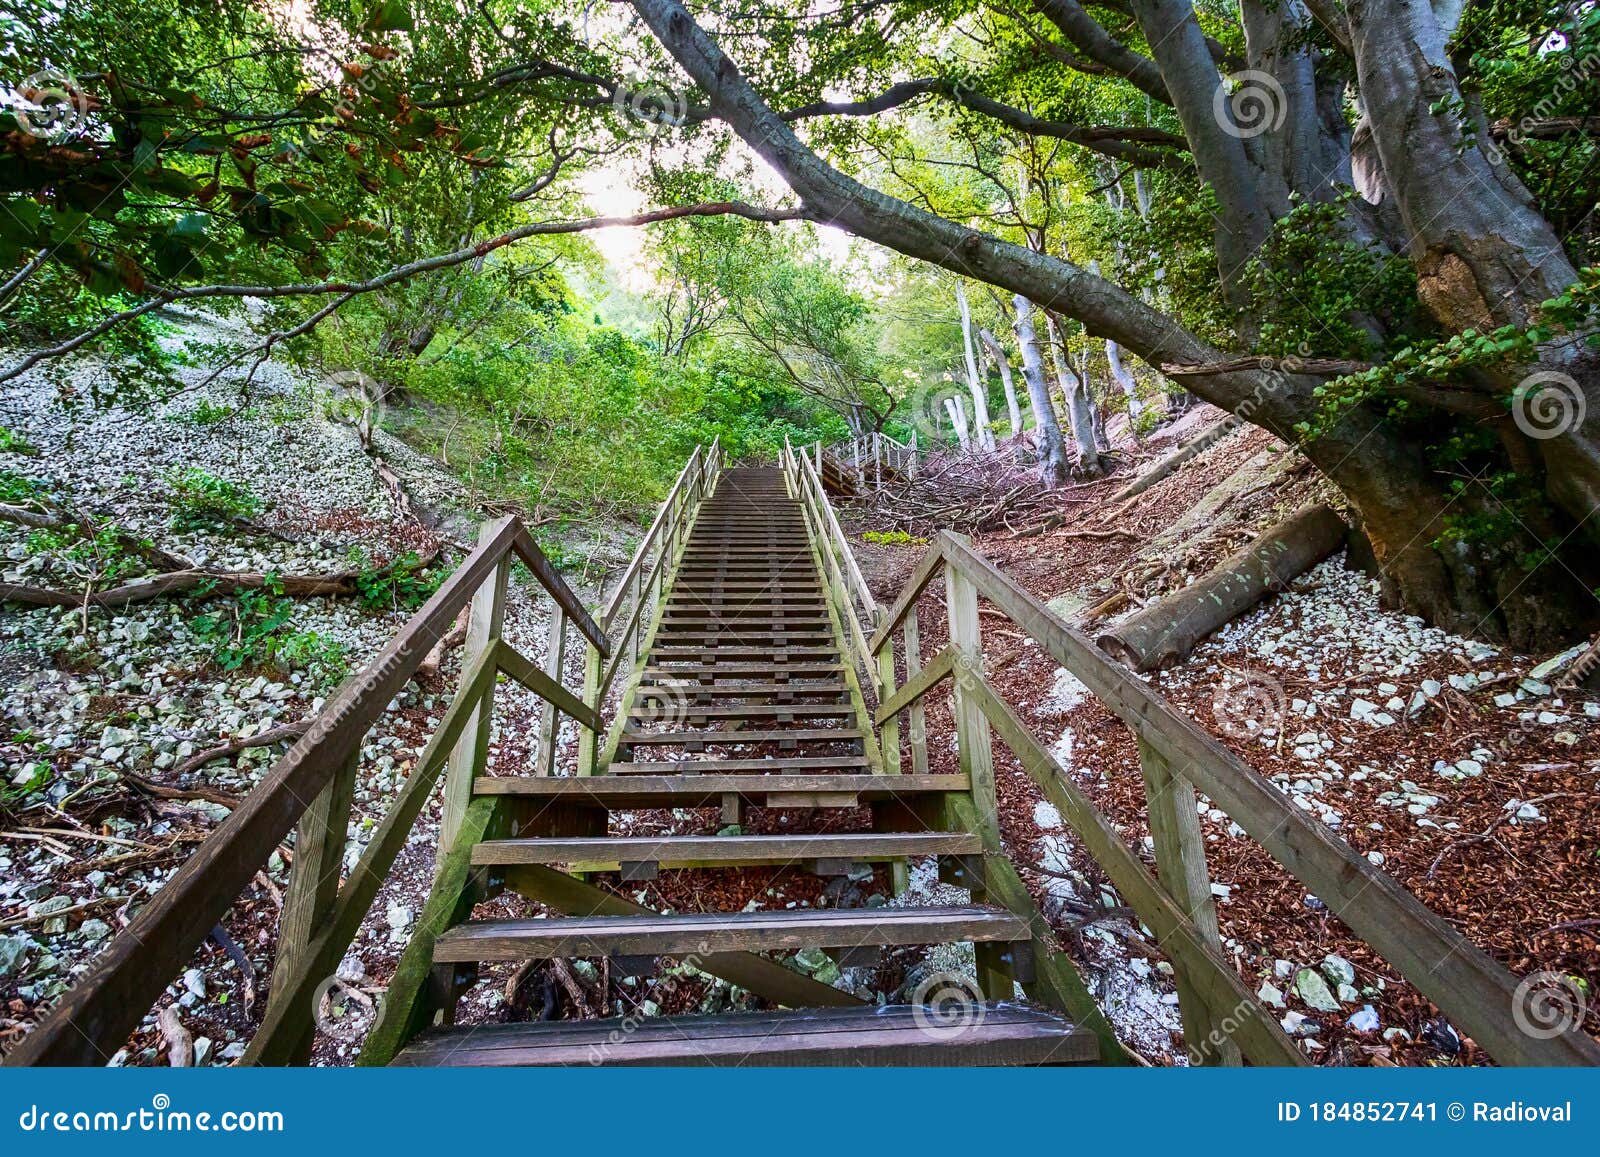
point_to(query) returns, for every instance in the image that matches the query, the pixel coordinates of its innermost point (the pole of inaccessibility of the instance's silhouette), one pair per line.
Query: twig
(1487, 833)
(179, 1041)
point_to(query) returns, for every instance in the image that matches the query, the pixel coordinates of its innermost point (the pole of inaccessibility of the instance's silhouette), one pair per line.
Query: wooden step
(779, 654)
(992, 1034)
(813, 636)
(624, 792)
(797, 620)
(741, 690)
(786, 930)
(608, 853)
(721, 766)
(766, 712)
(739, 738)
(721, 670)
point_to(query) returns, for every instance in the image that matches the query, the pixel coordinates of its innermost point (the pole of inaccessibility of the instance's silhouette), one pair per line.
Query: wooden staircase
(742, 699)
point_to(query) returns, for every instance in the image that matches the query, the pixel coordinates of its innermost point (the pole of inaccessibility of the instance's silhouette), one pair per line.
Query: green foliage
(208, 413)
(399, 585)
(1147, 420)
(15, 488)
(1315, 292)
(892, 538)
(203, 501)
(103, 559)
(254, 631)
(1573, 312)
(13, 443)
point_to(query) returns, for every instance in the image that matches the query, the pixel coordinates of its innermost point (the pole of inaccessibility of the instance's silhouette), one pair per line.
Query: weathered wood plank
(313, 880)
(667, 850)
(918, 685)
(275, 1038)
(1256, 1030)
(893, 1035)
(524, 671)
(405, 1010)
(1180, 848)
(766, 978)
(486, 618)
(687, 932)
(554, 666)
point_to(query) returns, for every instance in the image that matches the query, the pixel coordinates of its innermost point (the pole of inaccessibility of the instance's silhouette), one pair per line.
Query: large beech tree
(1484, 255)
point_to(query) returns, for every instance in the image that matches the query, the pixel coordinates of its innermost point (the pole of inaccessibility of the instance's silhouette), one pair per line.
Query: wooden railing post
(589, 741)
(1180, 848)
(319, 845)
(972, 726)
(919, 712)
(471, 752)
(550, 718)
(975, 751)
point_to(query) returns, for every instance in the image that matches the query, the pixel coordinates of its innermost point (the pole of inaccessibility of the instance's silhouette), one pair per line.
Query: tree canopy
(1366, 225)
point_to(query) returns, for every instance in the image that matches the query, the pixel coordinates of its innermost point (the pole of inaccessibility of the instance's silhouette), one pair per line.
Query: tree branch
(165, 295)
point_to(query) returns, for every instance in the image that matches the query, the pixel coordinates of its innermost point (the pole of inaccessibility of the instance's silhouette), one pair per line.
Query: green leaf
(390, 16)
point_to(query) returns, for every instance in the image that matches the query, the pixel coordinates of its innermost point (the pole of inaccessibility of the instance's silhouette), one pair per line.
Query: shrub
(201, 500)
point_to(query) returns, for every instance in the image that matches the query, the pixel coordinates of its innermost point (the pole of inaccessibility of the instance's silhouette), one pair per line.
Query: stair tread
(702, 766)
(999, 1033)
(672, 935)
(741, 738)
(729, 849)
(647, 791)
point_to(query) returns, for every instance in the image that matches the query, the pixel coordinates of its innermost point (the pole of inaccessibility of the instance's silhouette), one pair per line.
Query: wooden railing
(310, 790)
(636, 600)
(1221, 1016)
(848, 591)
(871, 454)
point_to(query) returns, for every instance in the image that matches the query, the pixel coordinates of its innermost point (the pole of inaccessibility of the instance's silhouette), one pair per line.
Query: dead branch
(197, 581)
(283, 734)
(164, 791)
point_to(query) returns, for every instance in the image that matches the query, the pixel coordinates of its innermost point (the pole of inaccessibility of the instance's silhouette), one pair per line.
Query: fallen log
(212, 582)
(1165, 633)
(1183, 454)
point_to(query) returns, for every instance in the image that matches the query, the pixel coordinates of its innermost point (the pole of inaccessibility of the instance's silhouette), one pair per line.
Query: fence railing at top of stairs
(872, 456)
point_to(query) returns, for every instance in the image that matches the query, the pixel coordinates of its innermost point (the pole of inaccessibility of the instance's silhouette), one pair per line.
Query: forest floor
(1445, 761)
(102, 710)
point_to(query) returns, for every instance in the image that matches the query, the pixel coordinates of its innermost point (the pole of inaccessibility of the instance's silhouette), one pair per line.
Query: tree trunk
(1124, 378)
(958, 421)
(1046, 431)
(1080, 407)
(1485, 257)
(980, 402)
(1163, 635)
(1013, 410)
